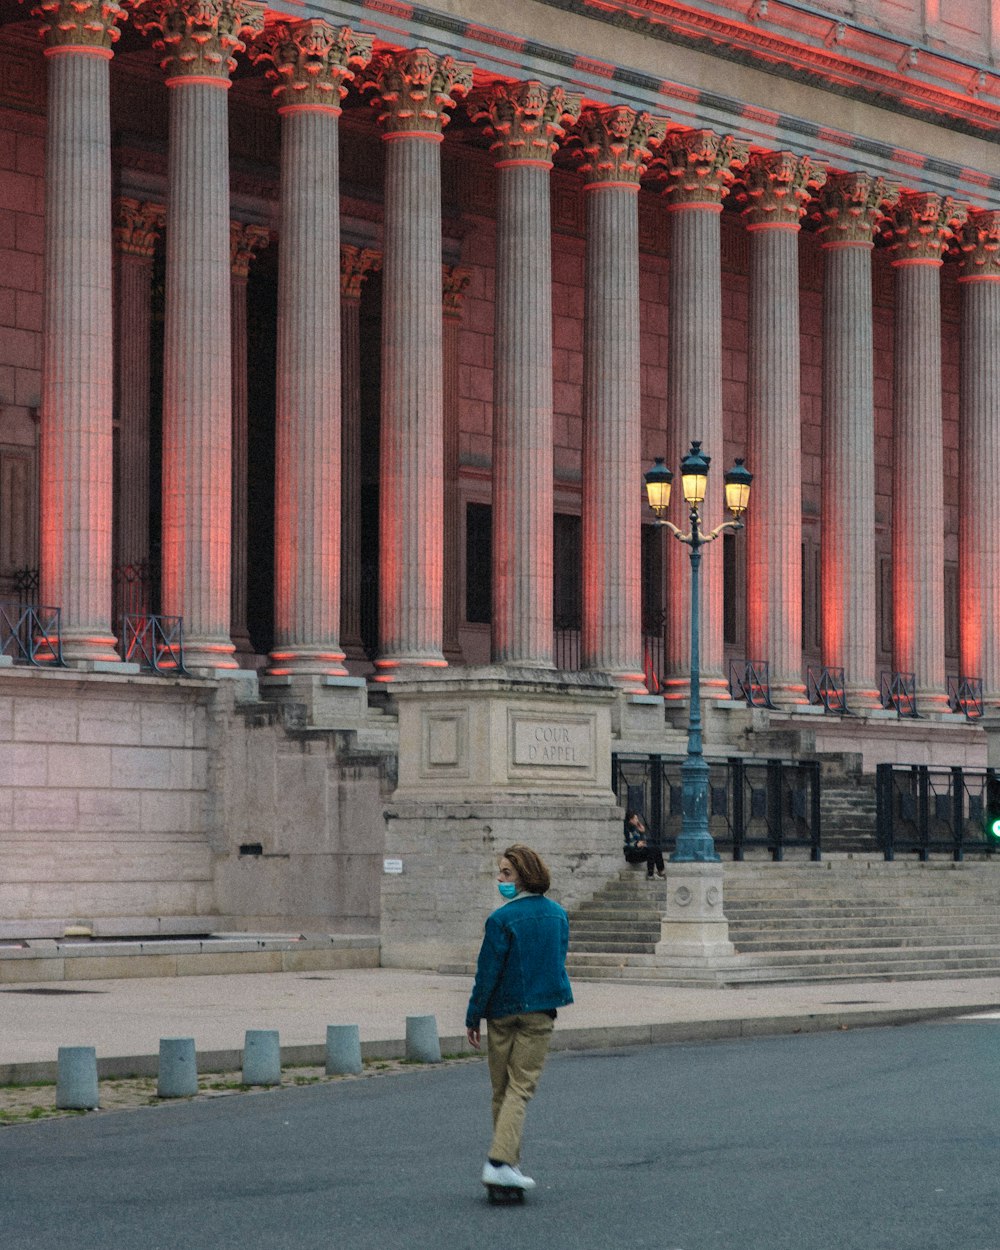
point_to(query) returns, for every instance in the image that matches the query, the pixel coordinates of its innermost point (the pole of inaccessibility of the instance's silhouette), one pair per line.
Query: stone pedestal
(326, 701)
(694, 931)
(490, 757)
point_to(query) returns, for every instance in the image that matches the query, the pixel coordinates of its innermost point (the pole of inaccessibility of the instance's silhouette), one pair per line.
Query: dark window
(478, 562)
(730, 591)
(567, 573)
(652, 580)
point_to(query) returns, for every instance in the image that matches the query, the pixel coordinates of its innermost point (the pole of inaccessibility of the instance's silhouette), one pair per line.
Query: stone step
(835, 919)
(860, 941)
(823, 960)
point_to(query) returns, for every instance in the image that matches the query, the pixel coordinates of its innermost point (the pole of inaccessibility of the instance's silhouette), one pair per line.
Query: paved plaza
(124, 1020)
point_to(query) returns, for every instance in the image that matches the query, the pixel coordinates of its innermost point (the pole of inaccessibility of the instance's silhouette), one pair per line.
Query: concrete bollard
(343, 1049)
(261, 1057)
(422, 1044)
(76, 1079)
(178, 1072)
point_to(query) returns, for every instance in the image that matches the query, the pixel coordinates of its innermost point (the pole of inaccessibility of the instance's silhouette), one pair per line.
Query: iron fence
(922, 810)
(31, 635)
(133, 588)
(899, 693)
(155, 642)
(566, 645)
(750, 681)
(965, 695)
(771, 805)
(826, 686)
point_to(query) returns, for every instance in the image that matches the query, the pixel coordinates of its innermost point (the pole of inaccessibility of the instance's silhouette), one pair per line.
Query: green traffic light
(993, 829)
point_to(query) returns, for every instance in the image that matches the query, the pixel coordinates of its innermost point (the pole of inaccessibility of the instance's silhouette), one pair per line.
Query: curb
(609, 1037)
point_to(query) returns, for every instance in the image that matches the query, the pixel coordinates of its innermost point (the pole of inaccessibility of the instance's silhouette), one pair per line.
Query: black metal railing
(899, 693)
(566, 645)
(922, 810)
(826, 686)
(31, 635)
(749, 681)
(965, 695)
(154, 642)
(771, 805)
(653, 648)
(25, 583)
(133, 589)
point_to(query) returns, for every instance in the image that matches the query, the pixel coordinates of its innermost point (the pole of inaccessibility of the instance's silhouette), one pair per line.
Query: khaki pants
(516, 1047)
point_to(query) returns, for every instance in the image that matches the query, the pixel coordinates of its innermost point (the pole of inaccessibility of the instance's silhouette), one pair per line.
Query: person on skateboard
(520, 983)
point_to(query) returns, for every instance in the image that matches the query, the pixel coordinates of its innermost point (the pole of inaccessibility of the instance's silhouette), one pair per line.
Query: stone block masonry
(144, 806)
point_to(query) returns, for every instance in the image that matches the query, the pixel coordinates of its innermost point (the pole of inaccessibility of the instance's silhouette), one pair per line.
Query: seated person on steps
(640, 846)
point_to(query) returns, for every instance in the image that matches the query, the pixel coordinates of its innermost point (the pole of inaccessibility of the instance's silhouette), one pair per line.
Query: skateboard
(504, 1195)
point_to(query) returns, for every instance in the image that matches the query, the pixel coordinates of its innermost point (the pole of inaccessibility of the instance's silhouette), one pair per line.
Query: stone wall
(124, 804)
(434, 910)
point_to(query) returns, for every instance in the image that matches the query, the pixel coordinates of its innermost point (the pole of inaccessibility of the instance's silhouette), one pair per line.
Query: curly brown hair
(531, 869)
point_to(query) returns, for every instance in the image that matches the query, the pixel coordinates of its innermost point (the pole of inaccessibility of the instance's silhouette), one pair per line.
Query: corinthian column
(414, 90)
(921, 223)
(456, 279)
(76, 438)
(696, 169)
(615, 148)
(979, 453)
(525, 122)
(312, 61)
(355, 264)
(777, 187)
(199, 39)
(136, 226)
(853, 205)
(244, 241)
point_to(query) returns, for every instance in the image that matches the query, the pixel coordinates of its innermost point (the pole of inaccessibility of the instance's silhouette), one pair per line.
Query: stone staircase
(847, 808)
(844, 919)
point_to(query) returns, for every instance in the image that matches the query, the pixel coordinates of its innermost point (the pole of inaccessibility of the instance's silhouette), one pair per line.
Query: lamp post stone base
(694, 927)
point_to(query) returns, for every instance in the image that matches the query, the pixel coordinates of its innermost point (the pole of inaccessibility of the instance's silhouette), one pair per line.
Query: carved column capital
(614, 143)
(852, 205)
(921, 225)
(312, 60)
(356, 263)
(525, 120)
(455, 278)
(200, 37)
(244, 242)
(136, 225)
(979, 239)
(777, 186)
(414, 88)
(79, 23)
(698, 166)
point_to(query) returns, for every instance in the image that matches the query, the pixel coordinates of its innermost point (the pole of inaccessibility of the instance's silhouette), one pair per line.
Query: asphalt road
(881, 1139)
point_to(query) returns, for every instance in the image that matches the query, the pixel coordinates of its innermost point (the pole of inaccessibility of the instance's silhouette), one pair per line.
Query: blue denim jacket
(522, 961)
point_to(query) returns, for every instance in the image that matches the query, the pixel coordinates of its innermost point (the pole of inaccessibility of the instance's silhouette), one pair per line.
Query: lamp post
(695, 843)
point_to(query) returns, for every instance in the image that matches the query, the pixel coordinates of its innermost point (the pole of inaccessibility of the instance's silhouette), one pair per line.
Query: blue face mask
(507, 888)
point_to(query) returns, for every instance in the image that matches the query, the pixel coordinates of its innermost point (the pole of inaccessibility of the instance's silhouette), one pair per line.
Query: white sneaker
(507, 1175)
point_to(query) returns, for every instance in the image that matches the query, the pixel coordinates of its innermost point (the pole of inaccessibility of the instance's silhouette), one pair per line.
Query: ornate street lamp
(695, 843)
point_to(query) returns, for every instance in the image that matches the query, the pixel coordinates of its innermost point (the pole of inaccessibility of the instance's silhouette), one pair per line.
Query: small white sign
(392, 866)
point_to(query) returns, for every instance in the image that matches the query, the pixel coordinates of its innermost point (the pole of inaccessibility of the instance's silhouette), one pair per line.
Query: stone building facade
(344, 333)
